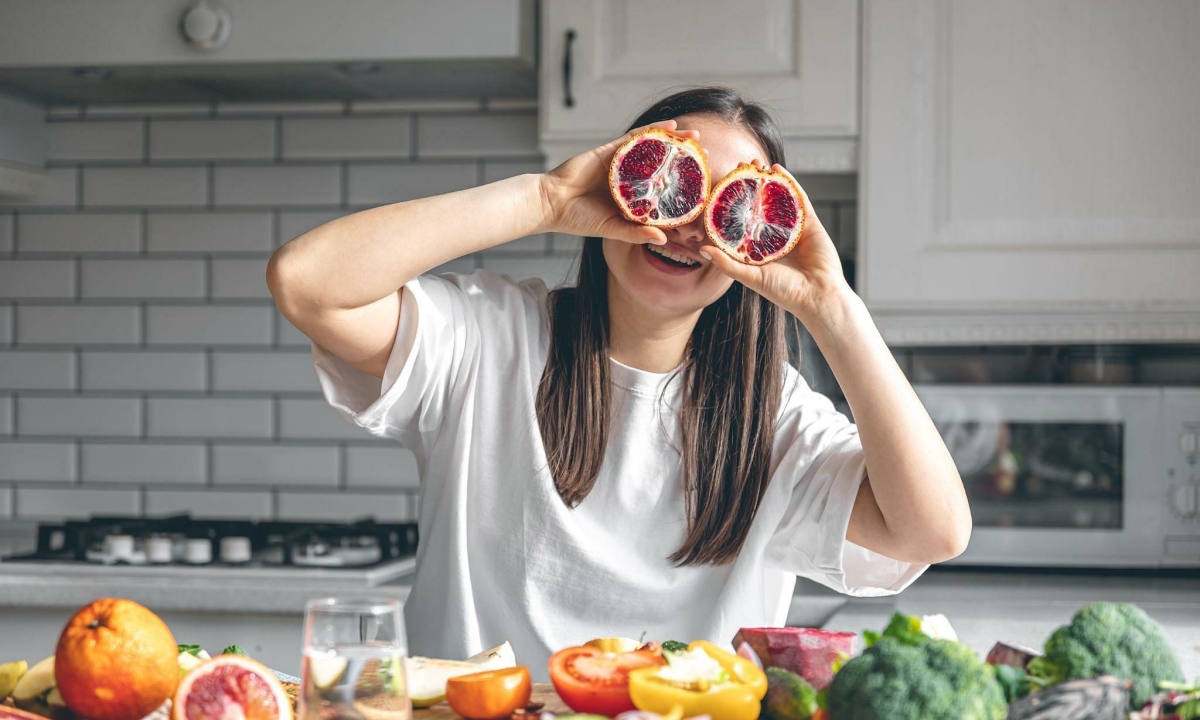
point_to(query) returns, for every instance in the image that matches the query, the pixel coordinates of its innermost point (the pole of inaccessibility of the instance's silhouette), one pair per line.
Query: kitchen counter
(1022, 608)
(197, 589)
(260, 609)
(216, 606)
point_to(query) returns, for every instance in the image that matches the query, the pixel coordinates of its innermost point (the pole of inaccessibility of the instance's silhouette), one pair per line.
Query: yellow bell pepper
(738, 699)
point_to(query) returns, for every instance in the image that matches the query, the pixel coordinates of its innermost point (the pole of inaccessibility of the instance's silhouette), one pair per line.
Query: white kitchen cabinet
(1030, 171)
(799, 57)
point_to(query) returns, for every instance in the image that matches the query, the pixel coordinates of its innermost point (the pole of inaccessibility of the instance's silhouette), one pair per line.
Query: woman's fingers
(747, 275)
(618, 228)
(811, 221)
(606, 151)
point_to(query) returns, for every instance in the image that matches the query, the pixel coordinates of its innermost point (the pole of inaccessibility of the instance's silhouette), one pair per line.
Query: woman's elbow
(284, 281)
(948, 541)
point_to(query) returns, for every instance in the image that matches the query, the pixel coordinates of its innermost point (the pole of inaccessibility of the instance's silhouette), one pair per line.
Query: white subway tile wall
(143, 367)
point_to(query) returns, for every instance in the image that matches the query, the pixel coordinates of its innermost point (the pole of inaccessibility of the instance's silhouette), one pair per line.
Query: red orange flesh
(755, 215)
(658, 178)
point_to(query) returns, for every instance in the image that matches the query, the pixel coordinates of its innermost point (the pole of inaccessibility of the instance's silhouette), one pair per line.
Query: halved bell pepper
(738, 699)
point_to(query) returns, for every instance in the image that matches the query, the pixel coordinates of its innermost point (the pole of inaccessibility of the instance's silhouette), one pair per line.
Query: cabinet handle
(568, 97)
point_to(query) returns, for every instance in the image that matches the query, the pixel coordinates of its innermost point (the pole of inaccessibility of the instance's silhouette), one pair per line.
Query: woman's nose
(692, 232)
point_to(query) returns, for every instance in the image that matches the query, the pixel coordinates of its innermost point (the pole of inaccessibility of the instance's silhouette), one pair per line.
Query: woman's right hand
(578, 202)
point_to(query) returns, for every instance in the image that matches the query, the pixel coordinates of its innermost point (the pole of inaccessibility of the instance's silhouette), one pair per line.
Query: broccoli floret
(927, 680)
(1110, 639)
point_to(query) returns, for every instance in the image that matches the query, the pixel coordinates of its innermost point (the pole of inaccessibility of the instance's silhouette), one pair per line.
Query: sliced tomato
(489, 695)
(590, 680)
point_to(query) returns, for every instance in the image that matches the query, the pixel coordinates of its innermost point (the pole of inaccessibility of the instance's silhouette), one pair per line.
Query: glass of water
(353, 666)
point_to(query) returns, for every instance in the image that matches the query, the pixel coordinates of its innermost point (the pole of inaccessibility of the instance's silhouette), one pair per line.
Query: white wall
(143, 368)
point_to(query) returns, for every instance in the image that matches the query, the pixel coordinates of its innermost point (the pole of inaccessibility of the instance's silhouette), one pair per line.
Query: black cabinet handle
(568, 98)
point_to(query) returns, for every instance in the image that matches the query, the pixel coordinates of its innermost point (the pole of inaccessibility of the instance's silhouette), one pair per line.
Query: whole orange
(115, 660)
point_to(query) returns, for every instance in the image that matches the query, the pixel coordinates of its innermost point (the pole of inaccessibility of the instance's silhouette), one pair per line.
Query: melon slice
(427, 676)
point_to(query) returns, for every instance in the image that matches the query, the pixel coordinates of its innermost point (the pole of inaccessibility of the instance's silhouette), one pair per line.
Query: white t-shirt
(501, 557)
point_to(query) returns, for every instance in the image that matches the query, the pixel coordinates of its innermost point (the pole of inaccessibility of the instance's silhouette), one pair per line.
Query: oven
(1070, 476)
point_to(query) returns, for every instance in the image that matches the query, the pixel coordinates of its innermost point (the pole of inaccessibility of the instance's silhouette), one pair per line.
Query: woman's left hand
(804, 281)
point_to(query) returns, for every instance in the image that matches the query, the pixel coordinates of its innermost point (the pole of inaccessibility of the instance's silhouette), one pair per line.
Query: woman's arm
(340, 283)
(913, 506)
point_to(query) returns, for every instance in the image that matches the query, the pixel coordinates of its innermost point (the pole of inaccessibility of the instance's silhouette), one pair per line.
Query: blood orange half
(231, 686)
(755, 215)
(12, 713)
(659, 179)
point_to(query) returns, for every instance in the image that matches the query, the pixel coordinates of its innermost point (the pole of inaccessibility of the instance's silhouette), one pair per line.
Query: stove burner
(183, 540)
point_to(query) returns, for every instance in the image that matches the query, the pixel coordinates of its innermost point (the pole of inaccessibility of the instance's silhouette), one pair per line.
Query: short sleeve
(447, 322)
(820, 466)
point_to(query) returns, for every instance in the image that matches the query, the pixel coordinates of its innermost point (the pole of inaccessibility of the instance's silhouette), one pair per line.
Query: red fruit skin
(12, 713)
(808, 652)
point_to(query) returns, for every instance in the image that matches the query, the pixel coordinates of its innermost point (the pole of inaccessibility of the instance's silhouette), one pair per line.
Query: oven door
(1056, 476)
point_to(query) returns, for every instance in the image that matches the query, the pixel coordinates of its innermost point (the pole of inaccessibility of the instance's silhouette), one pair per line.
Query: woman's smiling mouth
(669, 261)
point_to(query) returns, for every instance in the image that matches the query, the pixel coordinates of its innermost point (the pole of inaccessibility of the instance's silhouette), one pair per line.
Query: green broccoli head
(1110, 639)
(928, 680)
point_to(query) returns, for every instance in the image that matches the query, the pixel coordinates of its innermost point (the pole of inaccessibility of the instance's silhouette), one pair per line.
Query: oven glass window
(1040, 474)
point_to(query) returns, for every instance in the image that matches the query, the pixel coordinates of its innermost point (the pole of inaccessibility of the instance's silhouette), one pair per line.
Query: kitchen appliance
(186, 542)
(1063, 476)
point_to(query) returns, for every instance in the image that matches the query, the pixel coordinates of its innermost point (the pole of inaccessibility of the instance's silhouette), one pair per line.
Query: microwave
(1072, 476)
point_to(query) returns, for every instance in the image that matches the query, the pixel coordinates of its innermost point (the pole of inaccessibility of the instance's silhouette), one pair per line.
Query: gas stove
(183, 542)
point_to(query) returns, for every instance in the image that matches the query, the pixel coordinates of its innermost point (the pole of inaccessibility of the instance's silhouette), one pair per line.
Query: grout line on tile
(208, 277)
(78, 461)
(209, 471)
(209, 371)
(78, 369)
(343, 184)
(343, 463)
(412, 136)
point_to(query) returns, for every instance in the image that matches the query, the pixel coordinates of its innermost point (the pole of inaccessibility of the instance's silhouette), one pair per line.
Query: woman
(632, 455)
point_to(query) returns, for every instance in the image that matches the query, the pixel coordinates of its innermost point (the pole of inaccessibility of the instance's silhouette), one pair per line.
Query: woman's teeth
(681, 259)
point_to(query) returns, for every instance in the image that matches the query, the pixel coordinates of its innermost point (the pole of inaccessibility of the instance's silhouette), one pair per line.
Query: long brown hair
(732, 376)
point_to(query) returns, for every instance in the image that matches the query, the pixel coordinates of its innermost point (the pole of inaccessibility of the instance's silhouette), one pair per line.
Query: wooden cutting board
(542, 692)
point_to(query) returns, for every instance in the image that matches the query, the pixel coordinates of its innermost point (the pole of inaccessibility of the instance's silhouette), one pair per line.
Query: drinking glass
(353, 666)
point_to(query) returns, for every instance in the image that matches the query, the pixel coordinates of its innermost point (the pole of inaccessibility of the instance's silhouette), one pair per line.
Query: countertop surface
(983, 606)
(208, 589)
(1024, 608)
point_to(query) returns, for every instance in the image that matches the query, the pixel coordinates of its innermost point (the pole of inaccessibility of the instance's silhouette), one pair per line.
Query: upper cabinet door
(799, 57)
(1030, 170)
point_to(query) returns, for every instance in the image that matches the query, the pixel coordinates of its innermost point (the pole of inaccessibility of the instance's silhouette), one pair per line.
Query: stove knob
(1184, 499)
(118, 546)
(235, 549)
(159, 549)
(206, 25)
(198, 551)
(1188, 442)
